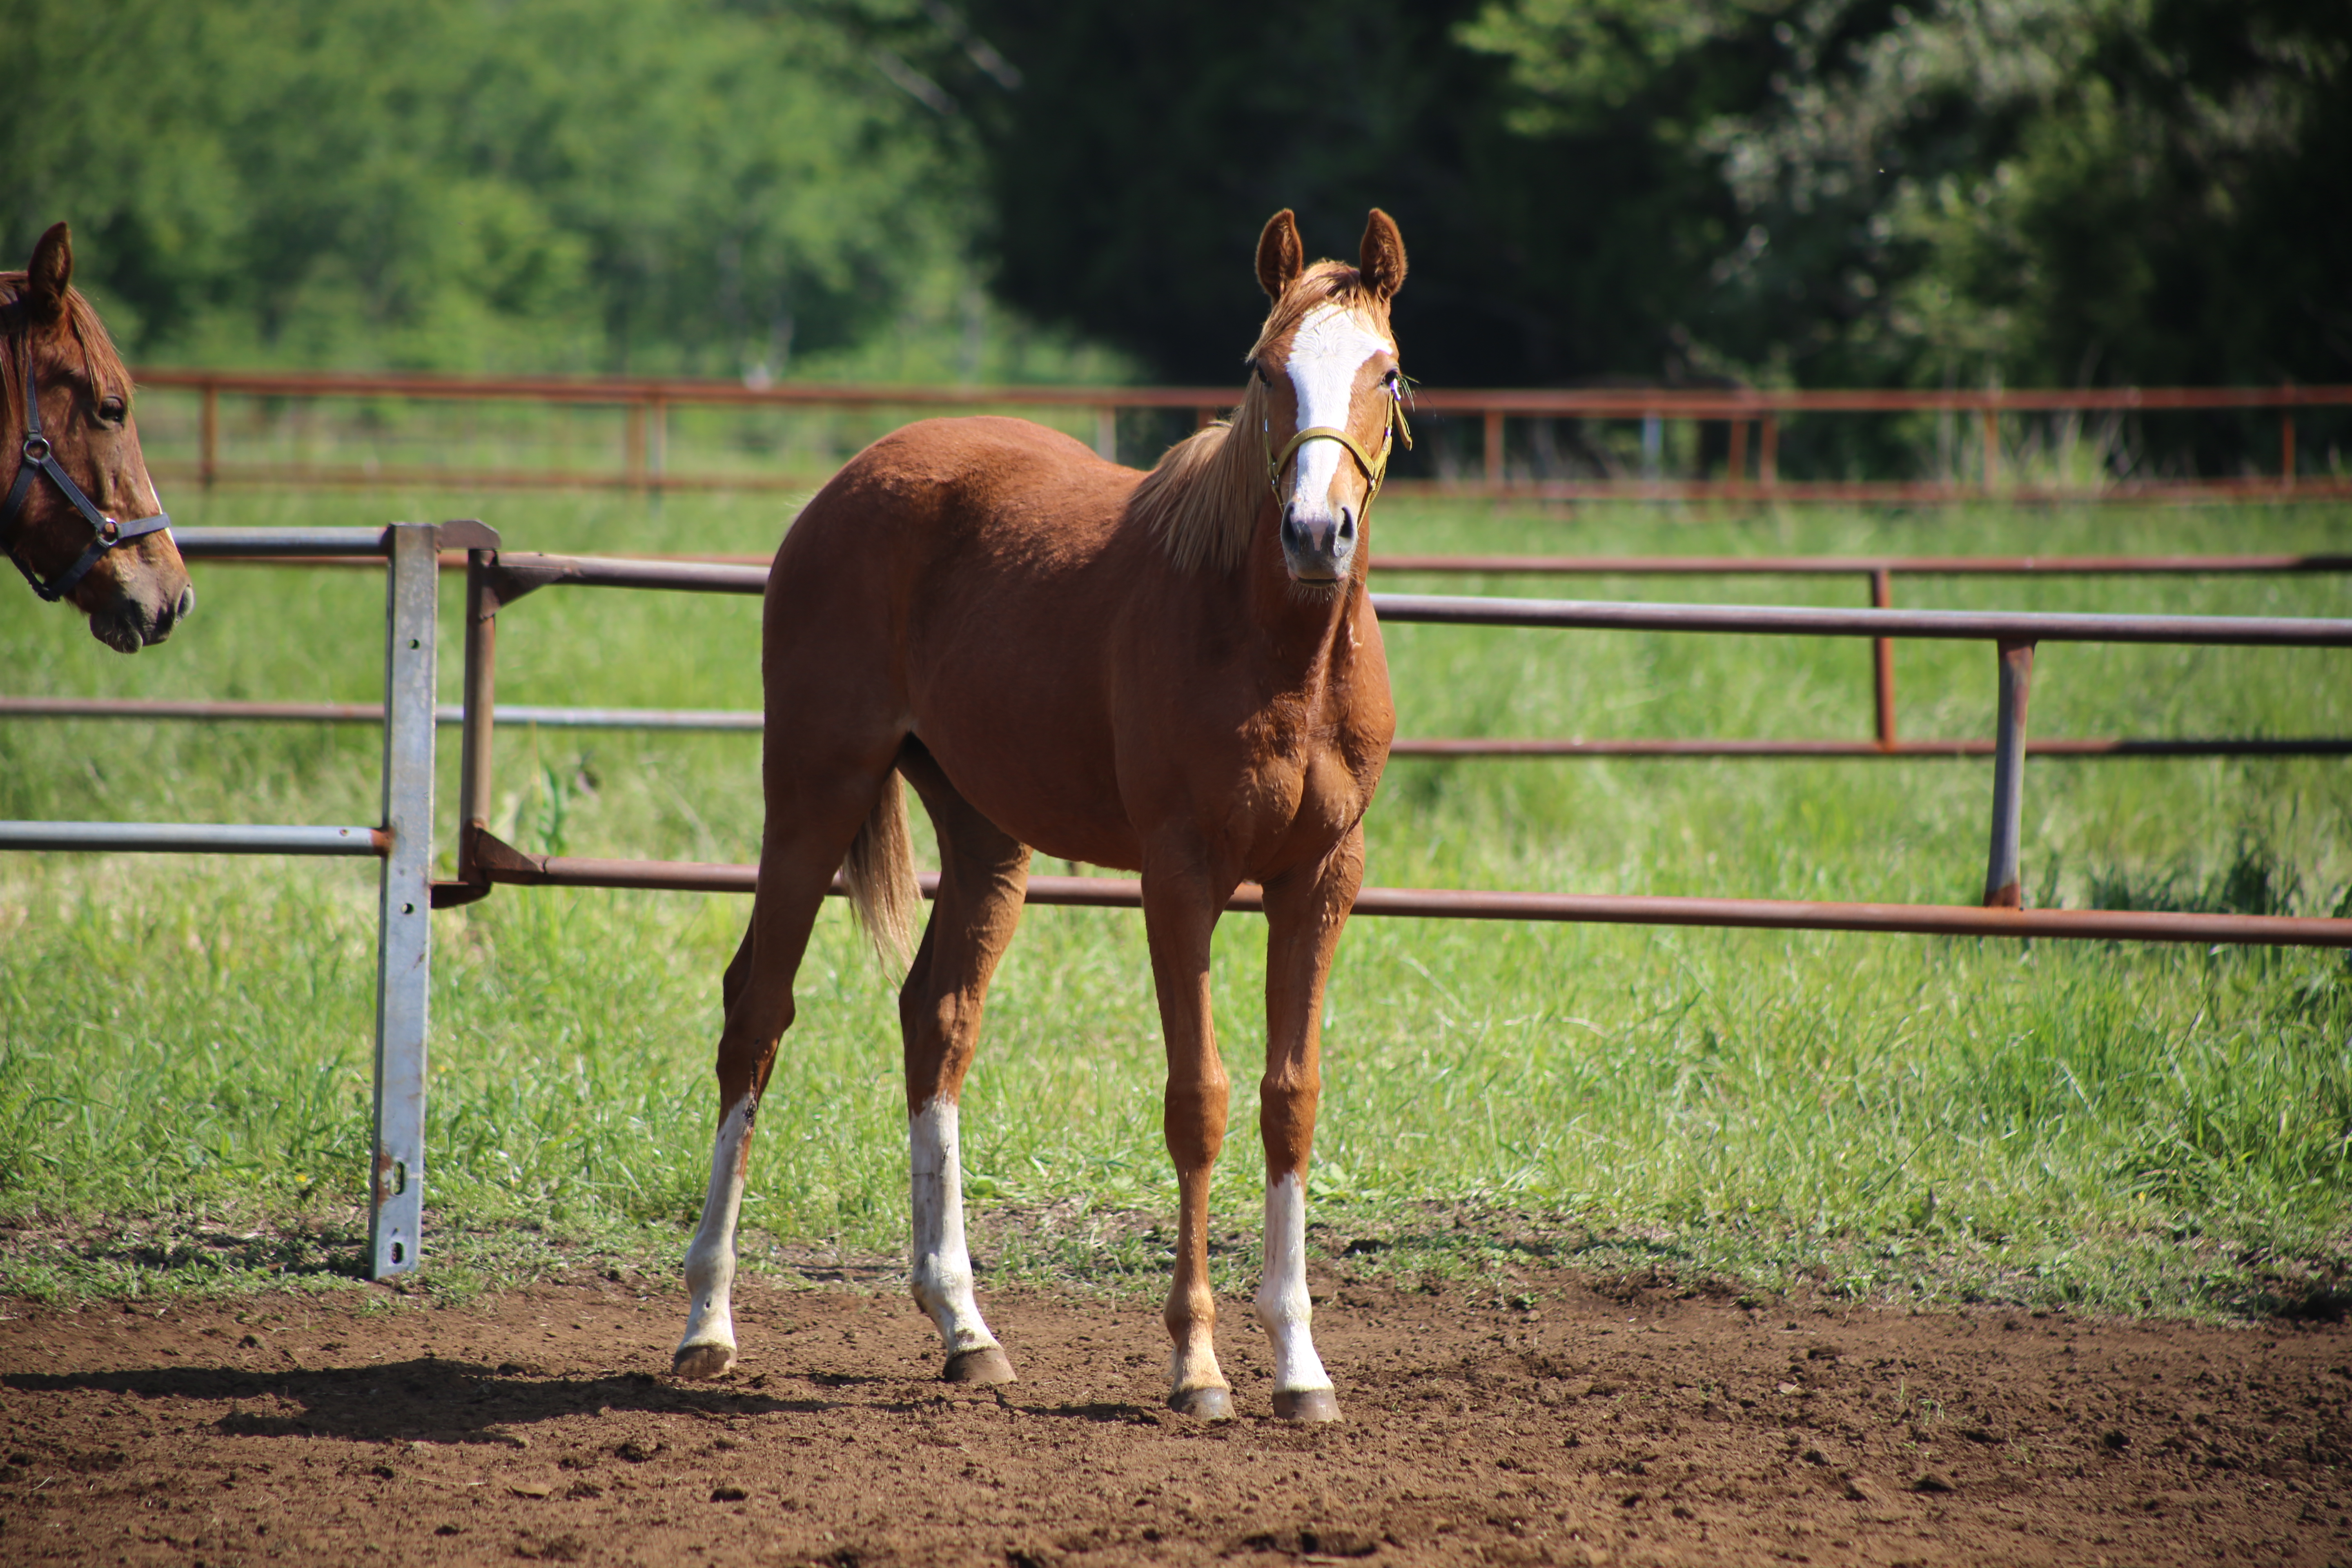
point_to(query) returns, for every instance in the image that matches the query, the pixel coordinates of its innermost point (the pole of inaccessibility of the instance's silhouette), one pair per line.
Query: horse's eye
(112, 410)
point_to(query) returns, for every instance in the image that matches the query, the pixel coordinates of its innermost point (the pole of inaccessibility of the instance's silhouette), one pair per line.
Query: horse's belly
(1044, 777)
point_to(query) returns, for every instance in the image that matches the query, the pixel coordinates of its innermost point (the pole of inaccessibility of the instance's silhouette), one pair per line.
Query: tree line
(1787, 192)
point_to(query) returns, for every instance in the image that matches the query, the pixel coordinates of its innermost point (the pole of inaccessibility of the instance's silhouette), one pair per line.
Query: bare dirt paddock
(1626, 1426)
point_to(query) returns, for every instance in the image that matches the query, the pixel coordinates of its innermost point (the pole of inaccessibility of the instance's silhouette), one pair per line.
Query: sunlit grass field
(184, 1044)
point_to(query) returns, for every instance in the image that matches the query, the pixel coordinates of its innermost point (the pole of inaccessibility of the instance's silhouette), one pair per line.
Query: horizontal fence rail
(496, 580)
(195, 838)
(1752, 469)
(511, 867)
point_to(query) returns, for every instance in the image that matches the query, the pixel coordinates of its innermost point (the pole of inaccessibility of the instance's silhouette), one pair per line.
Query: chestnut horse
(1177, 673)
(79, 474)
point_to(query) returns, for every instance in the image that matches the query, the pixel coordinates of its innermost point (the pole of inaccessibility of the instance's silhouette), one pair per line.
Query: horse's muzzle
(130, 623)
(1318, 550)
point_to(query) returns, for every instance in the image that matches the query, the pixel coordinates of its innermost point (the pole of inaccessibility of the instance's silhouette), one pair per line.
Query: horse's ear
(51, 272)
(1381, 263)
(1280, 256)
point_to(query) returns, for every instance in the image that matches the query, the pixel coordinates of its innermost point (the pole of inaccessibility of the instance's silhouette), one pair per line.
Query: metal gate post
(405, 930)
(2003, 889)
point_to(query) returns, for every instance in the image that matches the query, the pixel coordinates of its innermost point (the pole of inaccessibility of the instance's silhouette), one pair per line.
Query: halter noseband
(1375, 468)
(36, 456)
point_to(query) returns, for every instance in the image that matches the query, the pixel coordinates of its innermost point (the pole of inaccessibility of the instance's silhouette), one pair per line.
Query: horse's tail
(880, 875)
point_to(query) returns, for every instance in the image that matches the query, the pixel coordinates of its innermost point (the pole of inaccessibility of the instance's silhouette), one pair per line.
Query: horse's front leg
(1179, 911)
(1304, 913)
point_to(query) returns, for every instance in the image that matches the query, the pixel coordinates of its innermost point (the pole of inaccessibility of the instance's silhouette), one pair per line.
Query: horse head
(81, 519)
(1331, 394)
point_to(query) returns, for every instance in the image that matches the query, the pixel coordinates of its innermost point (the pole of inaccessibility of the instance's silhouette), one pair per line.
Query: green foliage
(2034, 190)
(654, 184)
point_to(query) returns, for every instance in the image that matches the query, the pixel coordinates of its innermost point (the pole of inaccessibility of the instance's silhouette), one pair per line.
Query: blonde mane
(1201, 497)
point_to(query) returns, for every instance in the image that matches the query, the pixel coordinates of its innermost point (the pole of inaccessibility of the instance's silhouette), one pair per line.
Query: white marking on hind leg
(1283, 1309)
(942, 1273)
(708, 1346)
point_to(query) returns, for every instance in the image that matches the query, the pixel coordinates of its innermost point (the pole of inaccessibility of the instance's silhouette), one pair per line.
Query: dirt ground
(1623, 1426)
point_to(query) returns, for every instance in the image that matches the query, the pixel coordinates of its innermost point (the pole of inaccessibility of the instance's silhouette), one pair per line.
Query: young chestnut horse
(1177, 673)
(78, 472)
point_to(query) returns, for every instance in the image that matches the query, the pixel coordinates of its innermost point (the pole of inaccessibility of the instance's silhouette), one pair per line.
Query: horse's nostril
(1346, 525)
(186, 604)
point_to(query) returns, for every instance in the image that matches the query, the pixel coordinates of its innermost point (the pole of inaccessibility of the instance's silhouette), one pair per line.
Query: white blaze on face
(941, 1271)
(1326, 353)
(1283, 1309)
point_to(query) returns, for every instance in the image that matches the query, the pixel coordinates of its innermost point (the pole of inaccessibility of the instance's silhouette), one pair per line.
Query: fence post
(633, 443)
(656, 440)
(1738, 461)
(1768, 454)
(481, 678)
(1991, 426)
(405, 927)
(1882, 657)
(1494, 456)
(2002, 887)
(208, 436)
(1107, 432)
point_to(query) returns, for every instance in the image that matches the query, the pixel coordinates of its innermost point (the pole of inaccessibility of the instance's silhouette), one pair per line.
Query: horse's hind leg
(813, 815)
(1304, 913)
(983, 875)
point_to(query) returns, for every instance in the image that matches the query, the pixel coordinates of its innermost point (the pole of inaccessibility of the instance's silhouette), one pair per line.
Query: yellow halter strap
(1375, 468)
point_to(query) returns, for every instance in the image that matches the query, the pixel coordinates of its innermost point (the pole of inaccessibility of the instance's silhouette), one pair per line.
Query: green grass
(184, 1044)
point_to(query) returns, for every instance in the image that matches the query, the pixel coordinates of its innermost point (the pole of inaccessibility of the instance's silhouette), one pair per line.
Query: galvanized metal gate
(402, 843)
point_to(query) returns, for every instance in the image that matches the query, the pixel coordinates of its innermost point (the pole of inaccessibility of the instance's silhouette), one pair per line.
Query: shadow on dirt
(429, 1400)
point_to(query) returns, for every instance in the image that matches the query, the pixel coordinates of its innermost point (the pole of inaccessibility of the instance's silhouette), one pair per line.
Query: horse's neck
(1304, 637)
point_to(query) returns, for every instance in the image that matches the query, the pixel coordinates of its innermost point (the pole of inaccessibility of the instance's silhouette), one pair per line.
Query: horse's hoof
(1214, 1404)
(988, 1363)
(1305, 1405)
(701, 1361)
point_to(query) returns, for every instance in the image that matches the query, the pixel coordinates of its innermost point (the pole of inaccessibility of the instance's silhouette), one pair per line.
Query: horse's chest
(1308, 785)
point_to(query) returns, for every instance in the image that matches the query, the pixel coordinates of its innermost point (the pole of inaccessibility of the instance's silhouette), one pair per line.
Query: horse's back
(932, 489)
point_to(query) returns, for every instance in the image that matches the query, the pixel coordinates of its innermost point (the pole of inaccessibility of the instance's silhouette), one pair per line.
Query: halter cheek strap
(37, 457)
(1376, 468)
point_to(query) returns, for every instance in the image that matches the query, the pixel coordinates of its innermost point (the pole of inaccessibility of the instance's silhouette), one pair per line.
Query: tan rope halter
(1375, 468)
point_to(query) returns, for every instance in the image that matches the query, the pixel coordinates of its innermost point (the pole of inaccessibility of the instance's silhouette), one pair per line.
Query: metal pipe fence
(1752, 469)
(403, 844)
(265, 547)
(495, 580)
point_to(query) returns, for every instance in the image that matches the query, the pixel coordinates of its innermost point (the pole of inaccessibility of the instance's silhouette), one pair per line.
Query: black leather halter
(37, 457)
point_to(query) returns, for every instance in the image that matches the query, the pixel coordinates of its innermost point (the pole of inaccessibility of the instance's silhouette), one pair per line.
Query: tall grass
(184, 1044)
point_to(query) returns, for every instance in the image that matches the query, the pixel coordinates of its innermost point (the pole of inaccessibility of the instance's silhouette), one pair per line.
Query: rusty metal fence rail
(495, 581)
(1752, 418)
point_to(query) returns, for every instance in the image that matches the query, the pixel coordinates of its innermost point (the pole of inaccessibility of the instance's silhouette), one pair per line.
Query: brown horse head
(1306, 449)
(81, 519)
(1331, 391)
